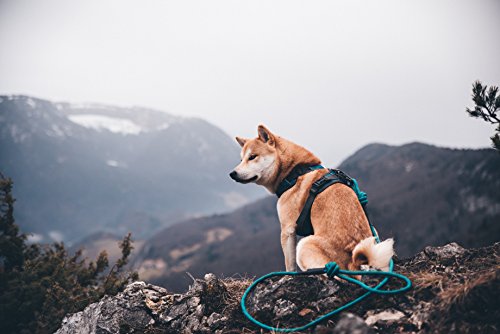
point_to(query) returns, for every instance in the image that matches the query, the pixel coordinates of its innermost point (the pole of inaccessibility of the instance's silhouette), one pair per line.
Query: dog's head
(259, 159)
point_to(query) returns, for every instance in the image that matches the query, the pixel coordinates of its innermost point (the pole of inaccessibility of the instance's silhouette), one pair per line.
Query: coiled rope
(332, 270)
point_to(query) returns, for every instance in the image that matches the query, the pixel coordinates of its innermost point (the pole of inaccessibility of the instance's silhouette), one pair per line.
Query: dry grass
(459, 294)
(235, 289)
(237, 285)
(426, 280)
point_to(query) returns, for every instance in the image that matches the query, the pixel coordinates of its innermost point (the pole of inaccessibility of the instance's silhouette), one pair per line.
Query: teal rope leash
(331, 269)
(362, 196)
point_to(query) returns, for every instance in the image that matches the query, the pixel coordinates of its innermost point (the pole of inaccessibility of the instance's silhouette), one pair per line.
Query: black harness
(304, 226)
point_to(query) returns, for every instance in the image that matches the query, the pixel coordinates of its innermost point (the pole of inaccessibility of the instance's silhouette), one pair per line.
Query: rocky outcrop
(454, 290)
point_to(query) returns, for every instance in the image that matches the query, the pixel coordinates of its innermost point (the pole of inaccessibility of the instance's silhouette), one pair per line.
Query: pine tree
(487, 106)
(40, 284)
(11, 241)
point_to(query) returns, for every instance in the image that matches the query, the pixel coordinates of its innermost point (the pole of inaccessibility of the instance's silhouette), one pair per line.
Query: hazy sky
(330, 75)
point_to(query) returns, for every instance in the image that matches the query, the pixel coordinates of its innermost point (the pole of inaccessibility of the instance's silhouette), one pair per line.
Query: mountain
(243, 242)
(425, 195)
(420, 194)
(84, 168)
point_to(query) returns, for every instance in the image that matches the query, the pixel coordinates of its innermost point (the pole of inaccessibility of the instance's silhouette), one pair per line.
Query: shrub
(40, 284)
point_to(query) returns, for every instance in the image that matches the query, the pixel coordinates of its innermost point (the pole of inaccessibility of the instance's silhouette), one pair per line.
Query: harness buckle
(346, 179)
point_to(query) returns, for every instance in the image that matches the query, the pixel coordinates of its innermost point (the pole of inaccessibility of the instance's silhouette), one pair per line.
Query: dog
(341, 229)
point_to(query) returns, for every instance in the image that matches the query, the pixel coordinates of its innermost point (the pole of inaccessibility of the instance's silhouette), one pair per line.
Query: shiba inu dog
(341, 229)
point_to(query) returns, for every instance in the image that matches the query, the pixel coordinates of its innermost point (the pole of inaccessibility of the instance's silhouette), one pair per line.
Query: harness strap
(291, 179)
(304, 225)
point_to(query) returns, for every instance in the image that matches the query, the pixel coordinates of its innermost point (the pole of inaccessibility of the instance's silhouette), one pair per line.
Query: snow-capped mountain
(81, 168)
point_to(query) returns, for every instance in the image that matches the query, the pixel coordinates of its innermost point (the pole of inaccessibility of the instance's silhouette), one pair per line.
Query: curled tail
(376, 255)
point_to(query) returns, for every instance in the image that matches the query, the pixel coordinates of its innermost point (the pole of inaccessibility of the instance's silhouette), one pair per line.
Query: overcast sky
(330, 75)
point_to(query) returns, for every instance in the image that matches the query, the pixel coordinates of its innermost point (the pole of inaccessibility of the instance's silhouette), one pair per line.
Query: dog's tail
(376, 255)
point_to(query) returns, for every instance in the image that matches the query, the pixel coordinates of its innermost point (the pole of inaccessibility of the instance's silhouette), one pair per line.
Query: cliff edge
(454, 290)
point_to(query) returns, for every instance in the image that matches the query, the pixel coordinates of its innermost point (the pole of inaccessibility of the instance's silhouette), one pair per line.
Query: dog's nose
(233, 174)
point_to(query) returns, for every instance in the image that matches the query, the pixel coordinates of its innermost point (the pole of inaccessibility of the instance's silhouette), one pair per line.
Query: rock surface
(454, 290)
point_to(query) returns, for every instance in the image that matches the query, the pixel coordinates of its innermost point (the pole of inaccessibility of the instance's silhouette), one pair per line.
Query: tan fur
(339, 222)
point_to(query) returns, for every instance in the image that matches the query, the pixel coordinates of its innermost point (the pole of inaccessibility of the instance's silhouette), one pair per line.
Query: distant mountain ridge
(245, 241)
(420, 194)
(81, 168)
(427, 195)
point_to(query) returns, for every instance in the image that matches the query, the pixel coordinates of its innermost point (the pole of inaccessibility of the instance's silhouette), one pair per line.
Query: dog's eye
(253, 156)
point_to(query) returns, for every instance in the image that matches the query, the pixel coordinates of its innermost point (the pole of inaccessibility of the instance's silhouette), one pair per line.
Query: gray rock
(445, 252)
(123, 313)
(284, 308)
(215, 320)
(142, 307)
(351, 324)
(387, 317)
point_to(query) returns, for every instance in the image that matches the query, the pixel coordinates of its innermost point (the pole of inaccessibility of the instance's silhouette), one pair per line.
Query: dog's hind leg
(311, 254)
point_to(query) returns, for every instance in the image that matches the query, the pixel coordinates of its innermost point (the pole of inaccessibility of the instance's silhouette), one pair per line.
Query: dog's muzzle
(234, 176)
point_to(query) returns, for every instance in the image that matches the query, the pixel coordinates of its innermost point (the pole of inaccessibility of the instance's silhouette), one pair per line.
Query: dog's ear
(265, 135)
(241, 141)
